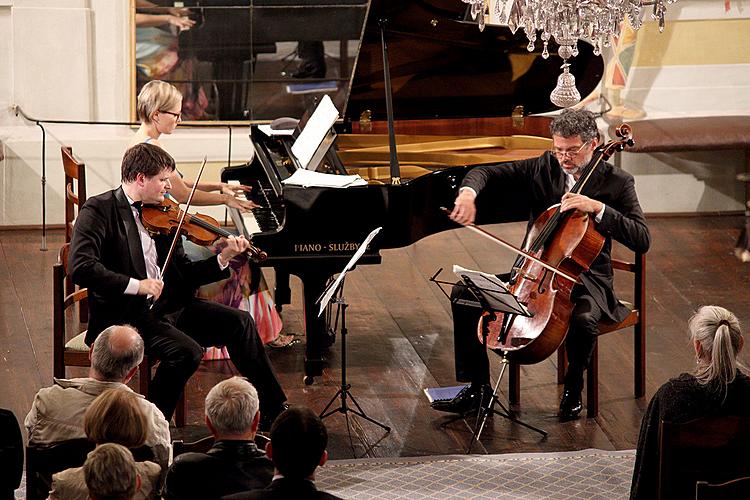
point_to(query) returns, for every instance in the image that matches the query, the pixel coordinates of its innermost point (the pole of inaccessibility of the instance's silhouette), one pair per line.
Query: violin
(569, 243)
(201, 229)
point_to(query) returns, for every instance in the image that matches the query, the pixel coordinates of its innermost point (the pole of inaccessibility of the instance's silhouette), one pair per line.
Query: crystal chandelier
(567, 21)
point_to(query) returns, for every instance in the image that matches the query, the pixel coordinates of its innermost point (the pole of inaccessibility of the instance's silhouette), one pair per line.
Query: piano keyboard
(258, 220)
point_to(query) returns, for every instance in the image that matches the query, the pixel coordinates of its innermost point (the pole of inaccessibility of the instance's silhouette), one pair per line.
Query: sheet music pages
(315, 130)
(493, 289)
(335, 286)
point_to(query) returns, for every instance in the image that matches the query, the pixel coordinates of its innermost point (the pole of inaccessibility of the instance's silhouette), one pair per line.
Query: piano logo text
(347, 246)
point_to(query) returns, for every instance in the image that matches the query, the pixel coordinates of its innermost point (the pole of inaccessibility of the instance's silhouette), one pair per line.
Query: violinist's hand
(242, 205)
(234, 189)
(464, 209)
(235, 245)
(572, 201)
(150, 287)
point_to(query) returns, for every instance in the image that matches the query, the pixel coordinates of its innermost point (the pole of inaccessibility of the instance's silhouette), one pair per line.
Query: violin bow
(508, 246)
(177, 233)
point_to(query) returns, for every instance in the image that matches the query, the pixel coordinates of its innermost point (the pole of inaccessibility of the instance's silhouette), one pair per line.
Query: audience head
(116, 416)
(146, 159)
(298, 443)
(232, 409)
(573, 122)
(155, 98)
(110, 473)
(116, 354)
(717, 339)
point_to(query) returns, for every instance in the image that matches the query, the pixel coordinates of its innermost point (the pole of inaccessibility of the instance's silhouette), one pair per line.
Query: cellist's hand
(235, 245)
(464, 209)
(572, 201)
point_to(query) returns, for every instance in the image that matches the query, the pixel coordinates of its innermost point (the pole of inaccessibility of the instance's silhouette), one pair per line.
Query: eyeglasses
(178, 116)
(570, 153)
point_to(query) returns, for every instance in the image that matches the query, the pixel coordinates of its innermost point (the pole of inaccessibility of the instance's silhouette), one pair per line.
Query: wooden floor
(400, 341)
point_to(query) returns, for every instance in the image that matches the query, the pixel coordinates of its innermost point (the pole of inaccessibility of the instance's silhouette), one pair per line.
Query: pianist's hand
(234, 189)
(235, 245)
(182, 23)
(242, 205)
(464, 209)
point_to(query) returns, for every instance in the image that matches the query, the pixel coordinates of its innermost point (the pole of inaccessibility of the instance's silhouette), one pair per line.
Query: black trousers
(472, 363)
(177, 341)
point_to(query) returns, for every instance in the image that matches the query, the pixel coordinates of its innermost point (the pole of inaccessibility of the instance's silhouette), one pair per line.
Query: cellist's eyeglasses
(570, 153)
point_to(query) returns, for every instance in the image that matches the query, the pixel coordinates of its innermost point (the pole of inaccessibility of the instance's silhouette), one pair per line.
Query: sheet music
(494, 290)
(308, 178)
(335, 286)
(315, 130)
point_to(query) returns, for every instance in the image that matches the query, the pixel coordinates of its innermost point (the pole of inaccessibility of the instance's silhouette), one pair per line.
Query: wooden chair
(711, 449)
(738, 488)
(75, 197)
(636, 319)
(70, 349)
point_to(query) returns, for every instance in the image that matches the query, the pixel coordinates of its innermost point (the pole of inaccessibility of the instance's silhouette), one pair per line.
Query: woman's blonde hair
(115, 416)
(719, 335)
(156, 96)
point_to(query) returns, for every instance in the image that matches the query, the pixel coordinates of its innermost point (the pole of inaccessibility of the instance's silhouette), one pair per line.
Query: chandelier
(567, 21)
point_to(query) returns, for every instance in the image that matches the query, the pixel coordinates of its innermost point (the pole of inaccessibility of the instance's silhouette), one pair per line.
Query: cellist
(609, 198)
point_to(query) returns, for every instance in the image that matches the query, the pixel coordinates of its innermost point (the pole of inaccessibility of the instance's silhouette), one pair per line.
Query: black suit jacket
(285, 489)
(106, 252)
(538, 183)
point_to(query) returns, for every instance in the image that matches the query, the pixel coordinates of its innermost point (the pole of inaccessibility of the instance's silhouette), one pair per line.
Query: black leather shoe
(465, 401)
(570, 405)
(266, 419)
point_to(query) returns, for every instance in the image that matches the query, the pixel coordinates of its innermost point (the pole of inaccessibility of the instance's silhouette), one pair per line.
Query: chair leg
(562, 364)
(592, 385)
(639, 360)
(180, 411)
(514, 383)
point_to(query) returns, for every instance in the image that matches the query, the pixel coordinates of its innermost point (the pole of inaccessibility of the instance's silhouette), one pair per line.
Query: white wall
(69, 59)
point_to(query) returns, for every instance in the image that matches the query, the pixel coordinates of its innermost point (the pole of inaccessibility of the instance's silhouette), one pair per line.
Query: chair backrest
(11, 454)
(737, 488)
(62, 302)
(712, 449)
(75, 188)
(41, 463)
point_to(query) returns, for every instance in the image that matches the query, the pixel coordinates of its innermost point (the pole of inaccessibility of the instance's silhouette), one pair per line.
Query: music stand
(492, 297)
(337, 288)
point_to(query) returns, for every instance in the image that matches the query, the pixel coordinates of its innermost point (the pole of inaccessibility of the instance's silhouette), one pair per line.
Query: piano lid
(443, 67)
(263, 59)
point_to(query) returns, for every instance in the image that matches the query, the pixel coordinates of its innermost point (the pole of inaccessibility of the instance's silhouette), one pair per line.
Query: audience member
(111, 473)
(297, 448)
(115, 416)
(716, 387)
(234, 463)
(57, 412)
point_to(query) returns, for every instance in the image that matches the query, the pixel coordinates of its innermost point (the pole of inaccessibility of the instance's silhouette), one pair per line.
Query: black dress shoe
(467, 400)
(570, 405)
(267, 418)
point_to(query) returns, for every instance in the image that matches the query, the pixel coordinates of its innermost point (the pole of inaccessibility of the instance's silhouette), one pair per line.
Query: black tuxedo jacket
(106, 252)
(284, 489)
(536, 184)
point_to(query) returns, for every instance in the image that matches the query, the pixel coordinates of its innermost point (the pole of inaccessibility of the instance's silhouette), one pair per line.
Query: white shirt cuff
(132, 288)
(467, 188)
(600, 213)
(224, 266)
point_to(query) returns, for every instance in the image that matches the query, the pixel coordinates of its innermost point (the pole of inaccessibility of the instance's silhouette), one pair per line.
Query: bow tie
(138, 206)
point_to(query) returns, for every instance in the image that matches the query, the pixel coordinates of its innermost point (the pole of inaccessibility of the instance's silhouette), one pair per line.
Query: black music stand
(492, 297)
(334, 294)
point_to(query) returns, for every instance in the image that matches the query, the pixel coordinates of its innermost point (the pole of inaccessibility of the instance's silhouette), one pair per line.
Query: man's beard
(574, 170)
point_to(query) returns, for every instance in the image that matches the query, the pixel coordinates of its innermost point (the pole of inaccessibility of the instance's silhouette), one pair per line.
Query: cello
(566, 241)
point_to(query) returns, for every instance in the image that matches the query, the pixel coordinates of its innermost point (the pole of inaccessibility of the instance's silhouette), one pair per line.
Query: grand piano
(461, 98)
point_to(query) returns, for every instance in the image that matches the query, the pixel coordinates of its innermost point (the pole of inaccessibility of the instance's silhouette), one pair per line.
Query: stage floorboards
(400, 341)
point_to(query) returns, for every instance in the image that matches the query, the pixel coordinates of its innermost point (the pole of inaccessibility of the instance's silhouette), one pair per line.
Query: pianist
(119, 262)
(613, 204)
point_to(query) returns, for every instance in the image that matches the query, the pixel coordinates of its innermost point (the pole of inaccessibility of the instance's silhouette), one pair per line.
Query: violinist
(610, 200)
(120, 263)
